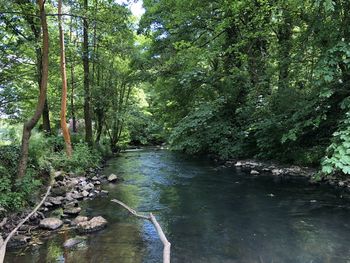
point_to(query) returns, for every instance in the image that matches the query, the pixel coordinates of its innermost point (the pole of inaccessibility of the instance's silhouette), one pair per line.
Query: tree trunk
(36, 32)
(64, 126)
(87, 95)
(30, 124)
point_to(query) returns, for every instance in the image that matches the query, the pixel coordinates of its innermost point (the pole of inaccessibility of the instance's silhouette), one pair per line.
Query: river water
(209, 214)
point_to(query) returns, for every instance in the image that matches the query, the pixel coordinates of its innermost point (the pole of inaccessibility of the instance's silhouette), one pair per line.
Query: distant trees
(253, 78)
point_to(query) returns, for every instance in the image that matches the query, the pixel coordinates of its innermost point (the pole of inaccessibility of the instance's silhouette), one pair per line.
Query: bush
(82, 159)
(15, 194)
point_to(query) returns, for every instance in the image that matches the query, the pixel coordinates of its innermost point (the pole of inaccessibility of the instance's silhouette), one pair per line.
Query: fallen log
(162, 237)
(3, 243)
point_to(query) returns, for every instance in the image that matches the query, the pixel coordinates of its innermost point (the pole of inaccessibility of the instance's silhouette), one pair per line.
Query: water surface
(209, 214)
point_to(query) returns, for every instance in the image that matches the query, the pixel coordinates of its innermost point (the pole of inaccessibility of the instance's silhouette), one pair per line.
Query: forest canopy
(236, 79)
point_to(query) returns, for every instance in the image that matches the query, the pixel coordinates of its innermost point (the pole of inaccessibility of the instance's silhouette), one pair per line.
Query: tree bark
(36, 32)
(87, 95)
(30, 124)
(64, 126)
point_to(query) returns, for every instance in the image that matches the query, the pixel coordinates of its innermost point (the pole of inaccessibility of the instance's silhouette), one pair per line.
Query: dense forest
(81, 80)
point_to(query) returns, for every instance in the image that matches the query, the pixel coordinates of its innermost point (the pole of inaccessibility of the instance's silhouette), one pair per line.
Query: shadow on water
(209, 215)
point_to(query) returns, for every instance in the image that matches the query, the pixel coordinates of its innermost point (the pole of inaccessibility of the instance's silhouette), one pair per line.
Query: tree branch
(166, 243)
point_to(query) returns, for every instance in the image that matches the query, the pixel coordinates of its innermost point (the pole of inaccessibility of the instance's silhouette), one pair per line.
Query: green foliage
(14, 194)
(338, 153)
(82, 159)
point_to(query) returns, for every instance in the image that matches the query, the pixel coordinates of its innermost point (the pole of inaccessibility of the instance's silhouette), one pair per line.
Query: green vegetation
(238, 79)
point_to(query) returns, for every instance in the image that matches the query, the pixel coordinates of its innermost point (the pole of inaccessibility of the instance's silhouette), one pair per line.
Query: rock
(55, 200)
(48, 204)
(72, 210)
(254, 172)
(95, 178)
(51, 223)
(72, 242)
(59, 191)
(72, 182)
(79, 219)
(341, 184)
(77, 196)
(112, 178)
(67, 221)
(18, 241)
(94, 224)
(85, 193)
(271, 195)
(238, 164)
(59, 175)
(97, 182)
(277, 171)
(104, 192)
(88, 187)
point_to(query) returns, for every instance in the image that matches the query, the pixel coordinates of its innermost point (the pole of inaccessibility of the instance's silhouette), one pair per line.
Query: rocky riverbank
(256, 168)
(61, 209)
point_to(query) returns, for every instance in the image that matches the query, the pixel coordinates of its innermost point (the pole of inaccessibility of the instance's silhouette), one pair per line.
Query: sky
(135, 6)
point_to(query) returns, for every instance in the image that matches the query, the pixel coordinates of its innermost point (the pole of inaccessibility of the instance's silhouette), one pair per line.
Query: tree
(64, 127)
(29, 125)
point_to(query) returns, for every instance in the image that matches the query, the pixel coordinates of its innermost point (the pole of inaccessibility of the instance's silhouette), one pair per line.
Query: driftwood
(166, 243)
(3, 243)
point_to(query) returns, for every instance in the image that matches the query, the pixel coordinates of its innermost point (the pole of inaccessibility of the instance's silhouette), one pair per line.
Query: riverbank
(256, 168)
(60, 210)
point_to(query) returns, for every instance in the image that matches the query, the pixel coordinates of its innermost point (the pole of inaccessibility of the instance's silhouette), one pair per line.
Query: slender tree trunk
(36, 32)
(30, 124)
(64, 126)
(285, 46)
(87, 95)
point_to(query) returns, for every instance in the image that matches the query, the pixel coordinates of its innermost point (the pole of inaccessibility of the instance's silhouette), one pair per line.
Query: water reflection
(209, 214)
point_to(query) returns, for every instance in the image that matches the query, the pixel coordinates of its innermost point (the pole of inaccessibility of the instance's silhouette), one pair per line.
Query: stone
(341, 184)
(97, 182)
(94, 224)
(112, 178)
(48, 204)
(55, 200)
(58, 175)
(104, 192)
(88, 187)
(277, 171)
(79, 219)
(18, 241)
(85, 193)
(238, 164)
(254, 172)
(77, 196)
(51, 223)
(95, 178)
(72, 242)
(72, 210)
(58, 191)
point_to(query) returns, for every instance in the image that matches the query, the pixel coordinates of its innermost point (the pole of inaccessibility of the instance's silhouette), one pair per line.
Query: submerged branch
(166, 243)
(4, 243)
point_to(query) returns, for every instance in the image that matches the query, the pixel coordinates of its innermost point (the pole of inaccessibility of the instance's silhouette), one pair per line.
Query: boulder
(112, 178)
(85, 193)
(18, 241)
(58, 175)
(71, 210)
(51, 223)
(94, 224)
(254, 172)
(72, 242)
(79, 219)
(104, 192)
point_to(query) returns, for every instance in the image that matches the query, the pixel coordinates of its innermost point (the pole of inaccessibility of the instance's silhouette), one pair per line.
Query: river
(209, 214)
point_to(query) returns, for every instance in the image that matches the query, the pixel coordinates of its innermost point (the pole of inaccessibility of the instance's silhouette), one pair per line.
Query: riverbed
(210, 214)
